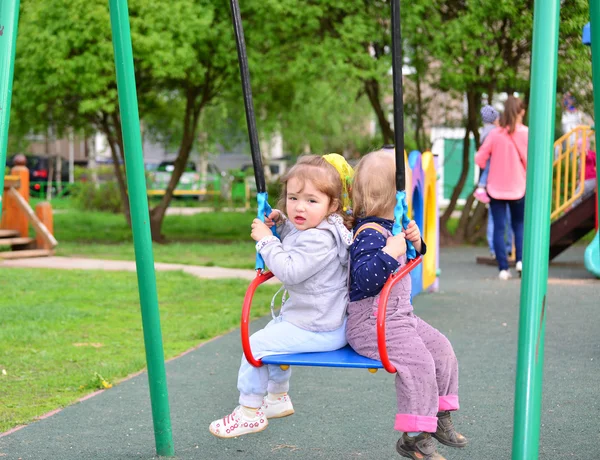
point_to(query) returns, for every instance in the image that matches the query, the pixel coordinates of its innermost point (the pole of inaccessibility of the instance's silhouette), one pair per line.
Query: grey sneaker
(446, 433)
(421, 447)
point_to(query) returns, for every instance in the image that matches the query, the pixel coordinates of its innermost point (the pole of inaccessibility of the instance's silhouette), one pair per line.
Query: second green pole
(532, 320)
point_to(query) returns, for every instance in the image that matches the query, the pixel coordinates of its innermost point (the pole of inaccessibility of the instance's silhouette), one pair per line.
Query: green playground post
(136, 183)
(595, 36)
(532, 318)
(9, 23)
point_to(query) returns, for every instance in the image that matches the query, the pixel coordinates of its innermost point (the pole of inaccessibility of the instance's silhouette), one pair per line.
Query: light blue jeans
(484, 175)
(277, 338)
(490, 232)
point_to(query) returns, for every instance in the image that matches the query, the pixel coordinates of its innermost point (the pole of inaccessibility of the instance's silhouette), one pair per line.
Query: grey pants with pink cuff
(427, 369)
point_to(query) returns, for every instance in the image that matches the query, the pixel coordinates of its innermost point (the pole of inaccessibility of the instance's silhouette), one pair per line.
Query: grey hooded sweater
(313, 266)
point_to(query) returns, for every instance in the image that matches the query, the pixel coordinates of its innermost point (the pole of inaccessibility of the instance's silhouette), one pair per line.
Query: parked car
(39, 169)
(190, 183)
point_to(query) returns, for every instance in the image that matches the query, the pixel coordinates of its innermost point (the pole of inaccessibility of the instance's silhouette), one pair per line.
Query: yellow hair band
(346, 174)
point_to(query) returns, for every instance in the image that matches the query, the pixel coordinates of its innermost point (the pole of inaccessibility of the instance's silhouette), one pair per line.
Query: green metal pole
(528, 390)
(9, 23)
(595, 36)
(136, 183)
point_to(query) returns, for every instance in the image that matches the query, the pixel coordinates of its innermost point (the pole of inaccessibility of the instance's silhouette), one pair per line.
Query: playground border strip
(97, 392)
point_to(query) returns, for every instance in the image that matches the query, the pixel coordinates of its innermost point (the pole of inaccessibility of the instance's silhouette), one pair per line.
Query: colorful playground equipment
(17, 215)
(592, 252)
(574, 212)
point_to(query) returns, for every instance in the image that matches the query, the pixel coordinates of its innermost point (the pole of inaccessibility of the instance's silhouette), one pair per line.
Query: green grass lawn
(56, 338)
(102, 227)
(210, 239)
(227, 255)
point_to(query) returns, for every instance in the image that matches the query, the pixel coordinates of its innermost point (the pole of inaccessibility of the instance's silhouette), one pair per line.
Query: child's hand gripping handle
(401, 221)
(264, 208)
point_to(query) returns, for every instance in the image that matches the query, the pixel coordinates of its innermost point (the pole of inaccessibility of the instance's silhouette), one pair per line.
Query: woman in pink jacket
(506, 147)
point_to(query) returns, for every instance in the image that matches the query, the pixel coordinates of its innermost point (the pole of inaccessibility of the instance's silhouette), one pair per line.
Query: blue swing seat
(344, 357)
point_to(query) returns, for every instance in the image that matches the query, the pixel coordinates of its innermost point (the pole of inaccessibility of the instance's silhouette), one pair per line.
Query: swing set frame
(528, 388)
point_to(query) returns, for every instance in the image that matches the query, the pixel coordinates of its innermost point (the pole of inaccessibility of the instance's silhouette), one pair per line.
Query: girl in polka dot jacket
(427, 378)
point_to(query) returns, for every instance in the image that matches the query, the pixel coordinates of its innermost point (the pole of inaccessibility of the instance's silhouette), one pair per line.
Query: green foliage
(274, 190)
(104, 197)
(318, 71)
(104, 227)
(574, 61)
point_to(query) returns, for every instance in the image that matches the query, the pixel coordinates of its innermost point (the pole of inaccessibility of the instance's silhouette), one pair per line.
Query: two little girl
(311, 260)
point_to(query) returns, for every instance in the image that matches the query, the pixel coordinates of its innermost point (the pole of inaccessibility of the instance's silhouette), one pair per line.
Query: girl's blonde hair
(374, 187)
(323, 176)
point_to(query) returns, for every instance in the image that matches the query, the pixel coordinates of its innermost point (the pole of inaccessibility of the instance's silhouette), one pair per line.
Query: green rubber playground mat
(65, 334)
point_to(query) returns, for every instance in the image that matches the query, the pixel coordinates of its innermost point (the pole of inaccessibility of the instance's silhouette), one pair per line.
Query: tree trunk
(372, 90)
(419, 133)
(192, 115)
(477, 221)
(50, 165)
(420, 69)
(116, 155)
(473, 103)
(203, 170)
(58, 174)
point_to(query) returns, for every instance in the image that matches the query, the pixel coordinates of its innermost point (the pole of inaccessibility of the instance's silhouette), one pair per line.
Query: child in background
(591, 173)
(427, 378)
(589, 178)
(491, 120)
(311, 260)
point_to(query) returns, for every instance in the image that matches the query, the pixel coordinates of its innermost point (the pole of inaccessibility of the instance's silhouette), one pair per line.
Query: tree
(65, 70)
(185, 62)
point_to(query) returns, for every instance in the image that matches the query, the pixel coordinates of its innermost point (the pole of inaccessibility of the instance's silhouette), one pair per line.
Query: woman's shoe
(504, 275)
(519, 268)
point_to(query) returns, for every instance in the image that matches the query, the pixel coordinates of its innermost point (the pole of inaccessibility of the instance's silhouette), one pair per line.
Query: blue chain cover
(401, 221)
(264, 208)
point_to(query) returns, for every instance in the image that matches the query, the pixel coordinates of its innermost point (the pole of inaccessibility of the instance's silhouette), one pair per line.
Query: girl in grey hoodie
(311, 260)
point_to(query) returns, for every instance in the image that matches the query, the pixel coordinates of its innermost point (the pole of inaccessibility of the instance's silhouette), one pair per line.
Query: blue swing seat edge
(344, 357)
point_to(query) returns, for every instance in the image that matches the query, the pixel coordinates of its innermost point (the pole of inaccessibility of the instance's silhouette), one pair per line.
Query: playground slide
(592, 256)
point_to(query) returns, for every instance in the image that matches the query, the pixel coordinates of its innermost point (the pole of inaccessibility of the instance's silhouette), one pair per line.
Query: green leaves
(308, 61)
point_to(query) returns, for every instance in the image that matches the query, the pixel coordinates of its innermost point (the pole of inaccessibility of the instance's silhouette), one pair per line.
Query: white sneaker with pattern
(238, 423)
(280, 407)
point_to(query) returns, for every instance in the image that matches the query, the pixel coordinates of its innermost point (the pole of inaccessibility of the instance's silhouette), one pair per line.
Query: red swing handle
(382, 308)
(261, 277)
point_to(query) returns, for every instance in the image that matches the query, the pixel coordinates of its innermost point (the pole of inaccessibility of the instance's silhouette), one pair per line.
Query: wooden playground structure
(17, 215)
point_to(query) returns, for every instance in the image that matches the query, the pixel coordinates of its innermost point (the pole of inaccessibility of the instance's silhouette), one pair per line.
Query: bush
(105, 197)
